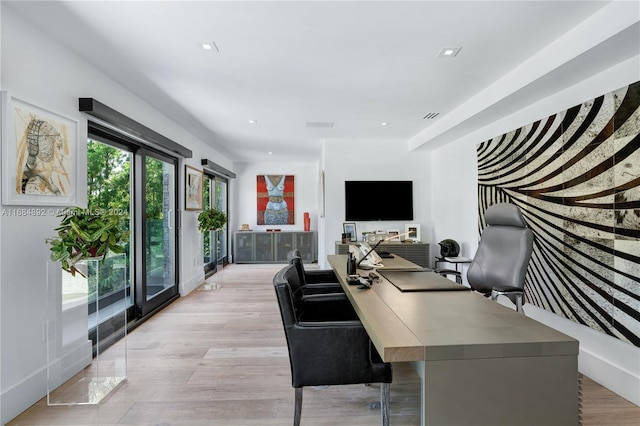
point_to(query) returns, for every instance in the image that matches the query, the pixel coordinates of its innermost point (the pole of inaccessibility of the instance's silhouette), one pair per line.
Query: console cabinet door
(263, 247)
(243, 247)
(284, 243)
(306, 244)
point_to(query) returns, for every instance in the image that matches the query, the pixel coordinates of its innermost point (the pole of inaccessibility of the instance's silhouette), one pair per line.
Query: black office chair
(500, 263)
(311, 306)
(330, 352)
(314, 281)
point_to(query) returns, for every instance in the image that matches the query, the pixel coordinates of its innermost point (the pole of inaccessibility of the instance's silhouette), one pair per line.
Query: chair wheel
(375, 405)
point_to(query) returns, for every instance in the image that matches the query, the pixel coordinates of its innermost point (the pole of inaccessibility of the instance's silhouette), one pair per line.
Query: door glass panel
(215, 242)
(207, 241)
(221, 204)
(159, 226)
(109, 182)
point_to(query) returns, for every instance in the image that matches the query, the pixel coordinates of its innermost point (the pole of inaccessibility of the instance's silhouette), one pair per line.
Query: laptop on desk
(420, 280)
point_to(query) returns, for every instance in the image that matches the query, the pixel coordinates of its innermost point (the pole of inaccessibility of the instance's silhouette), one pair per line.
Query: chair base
(516, 296)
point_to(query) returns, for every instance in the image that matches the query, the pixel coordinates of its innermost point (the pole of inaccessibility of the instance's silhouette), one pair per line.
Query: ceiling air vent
(431, 116)
(319, 124)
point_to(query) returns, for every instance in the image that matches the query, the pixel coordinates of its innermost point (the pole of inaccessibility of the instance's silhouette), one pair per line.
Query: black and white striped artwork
(576, 177)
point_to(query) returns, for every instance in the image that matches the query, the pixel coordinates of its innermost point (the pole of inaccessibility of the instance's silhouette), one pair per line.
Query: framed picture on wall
(193, 188)
(40, 151)
(275, 197)
(413, 232)
(350, 229)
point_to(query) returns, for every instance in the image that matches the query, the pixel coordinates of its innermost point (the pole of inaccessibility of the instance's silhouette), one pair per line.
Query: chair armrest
(326, 308)
(324, 297)
(447, 272)
(329, 324)
(320, 288)
(320, 276)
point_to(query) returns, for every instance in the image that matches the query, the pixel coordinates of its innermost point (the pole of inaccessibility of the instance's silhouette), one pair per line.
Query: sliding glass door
(156, 281)
(215, 242)
(220, 200)
(140, 184)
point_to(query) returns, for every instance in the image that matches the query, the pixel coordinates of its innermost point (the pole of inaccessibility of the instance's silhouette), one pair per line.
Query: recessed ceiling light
(209, 45)
(384, 124)
(253, 121)
(449, 52)
(270, 153)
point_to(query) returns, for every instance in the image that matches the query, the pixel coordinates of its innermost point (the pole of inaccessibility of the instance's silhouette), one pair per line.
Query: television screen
(378, 200)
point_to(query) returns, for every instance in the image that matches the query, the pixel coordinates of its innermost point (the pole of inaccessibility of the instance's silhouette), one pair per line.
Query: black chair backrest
(290, 276)
(294, 258)
(285, 297)
(293, 254)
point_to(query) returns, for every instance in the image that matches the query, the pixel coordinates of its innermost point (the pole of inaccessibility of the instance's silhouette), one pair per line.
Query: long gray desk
(480, 363)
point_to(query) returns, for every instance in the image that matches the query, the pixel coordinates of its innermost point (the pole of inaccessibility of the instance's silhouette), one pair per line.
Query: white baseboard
(609, 361)
(187, 287)
(20, 396)
(617, 379)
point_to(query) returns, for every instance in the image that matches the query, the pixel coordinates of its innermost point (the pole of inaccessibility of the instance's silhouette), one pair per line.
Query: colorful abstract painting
(275, 200)
(576, 177)
(40, 154)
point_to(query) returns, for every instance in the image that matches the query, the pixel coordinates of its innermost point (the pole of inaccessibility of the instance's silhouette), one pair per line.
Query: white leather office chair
(500, 264)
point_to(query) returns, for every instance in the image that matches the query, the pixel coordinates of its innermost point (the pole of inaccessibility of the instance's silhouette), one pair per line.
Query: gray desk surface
(449, 324)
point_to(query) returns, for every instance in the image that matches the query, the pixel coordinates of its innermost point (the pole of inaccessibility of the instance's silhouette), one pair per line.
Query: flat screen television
(378, 200)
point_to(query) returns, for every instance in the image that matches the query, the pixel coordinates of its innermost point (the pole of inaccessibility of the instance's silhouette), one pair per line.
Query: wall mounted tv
(378, 200)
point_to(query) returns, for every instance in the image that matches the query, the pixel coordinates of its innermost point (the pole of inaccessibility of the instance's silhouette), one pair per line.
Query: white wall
(607, 360)
(37, 70)
(244, 202)
(363, 160)
(373, 160)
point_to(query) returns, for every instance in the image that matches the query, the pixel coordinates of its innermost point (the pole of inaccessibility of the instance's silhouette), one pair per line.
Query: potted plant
(211, 219)
(85, 234)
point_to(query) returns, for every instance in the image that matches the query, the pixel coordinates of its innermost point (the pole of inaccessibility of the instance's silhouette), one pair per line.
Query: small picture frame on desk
(394, 234)
(350, 228)
(413, 232)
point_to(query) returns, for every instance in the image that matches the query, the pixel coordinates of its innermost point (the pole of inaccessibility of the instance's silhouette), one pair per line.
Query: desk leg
(499, 391)
(419, 366)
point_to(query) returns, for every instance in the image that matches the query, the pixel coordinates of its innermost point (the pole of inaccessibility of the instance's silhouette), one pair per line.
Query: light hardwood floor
(219, 357)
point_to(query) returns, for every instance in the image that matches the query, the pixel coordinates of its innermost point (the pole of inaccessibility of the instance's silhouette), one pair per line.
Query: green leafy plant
(211, 219)
(85, 234)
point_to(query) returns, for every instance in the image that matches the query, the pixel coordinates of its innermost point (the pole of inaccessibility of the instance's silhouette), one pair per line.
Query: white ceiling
(355, 64)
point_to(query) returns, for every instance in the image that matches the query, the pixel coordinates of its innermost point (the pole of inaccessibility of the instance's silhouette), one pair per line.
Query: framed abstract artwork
(193, 188)
(275, 200)
(40, 153)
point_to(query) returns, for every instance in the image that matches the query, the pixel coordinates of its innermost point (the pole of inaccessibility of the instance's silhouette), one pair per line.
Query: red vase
(307, 222)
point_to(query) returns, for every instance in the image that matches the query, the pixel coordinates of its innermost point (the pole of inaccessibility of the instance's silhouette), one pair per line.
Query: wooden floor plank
(218, 357)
